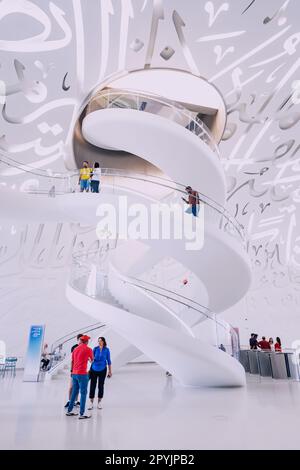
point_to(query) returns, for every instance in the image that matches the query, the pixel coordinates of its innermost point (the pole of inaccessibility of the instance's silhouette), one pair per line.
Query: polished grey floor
(143, 409)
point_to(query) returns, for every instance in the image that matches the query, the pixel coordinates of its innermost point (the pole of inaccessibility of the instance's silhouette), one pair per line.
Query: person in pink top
(80, 358)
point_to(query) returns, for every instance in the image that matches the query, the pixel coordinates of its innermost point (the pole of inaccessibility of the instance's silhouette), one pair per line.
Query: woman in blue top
(98, 371)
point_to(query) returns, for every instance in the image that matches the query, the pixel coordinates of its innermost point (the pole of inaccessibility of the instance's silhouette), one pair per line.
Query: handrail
(137, 177)
(58, 342)
(221, 328)
(119, 94)
(173, 292)
(74, 333)
(105, 171)
(126, 279)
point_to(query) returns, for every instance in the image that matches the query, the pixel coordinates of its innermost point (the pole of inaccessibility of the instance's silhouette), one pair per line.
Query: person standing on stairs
(84, 177)
(95, 178)
(80, 358)
(98, 371)
(193, 200)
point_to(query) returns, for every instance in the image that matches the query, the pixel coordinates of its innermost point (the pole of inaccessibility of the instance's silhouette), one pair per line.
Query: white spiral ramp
(135, 313)
(144, 320)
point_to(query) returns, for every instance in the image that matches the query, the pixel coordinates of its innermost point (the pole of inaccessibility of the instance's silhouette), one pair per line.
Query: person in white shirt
(95, 178)
(45, 357)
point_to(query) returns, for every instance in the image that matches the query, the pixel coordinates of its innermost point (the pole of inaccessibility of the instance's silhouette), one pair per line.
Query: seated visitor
(45, 357)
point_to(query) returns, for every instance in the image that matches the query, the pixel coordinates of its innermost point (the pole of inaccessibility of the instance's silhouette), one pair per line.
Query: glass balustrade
(54, 184)
(90, 276)
(153, 104)
(61, 348)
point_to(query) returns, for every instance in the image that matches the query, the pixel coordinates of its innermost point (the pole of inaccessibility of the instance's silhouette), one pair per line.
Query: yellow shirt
(85, 173)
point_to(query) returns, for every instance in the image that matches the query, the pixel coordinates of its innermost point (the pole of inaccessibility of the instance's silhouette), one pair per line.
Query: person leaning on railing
(193, 200)
(278, 345)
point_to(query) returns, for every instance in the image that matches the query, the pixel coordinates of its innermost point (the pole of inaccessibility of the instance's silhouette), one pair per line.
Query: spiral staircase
(181, 333)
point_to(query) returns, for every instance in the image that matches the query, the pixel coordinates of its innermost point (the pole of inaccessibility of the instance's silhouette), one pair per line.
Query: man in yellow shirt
(84, 177)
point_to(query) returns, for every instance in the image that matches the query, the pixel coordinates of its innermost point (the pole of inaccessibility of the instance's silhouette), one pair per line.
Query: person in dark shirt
(263, 344)
(77, 403)
(253, 341)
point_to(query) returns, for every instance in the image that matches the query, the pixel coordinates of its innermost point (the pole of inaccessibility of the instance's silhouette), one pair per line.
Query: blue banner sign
(34, 352)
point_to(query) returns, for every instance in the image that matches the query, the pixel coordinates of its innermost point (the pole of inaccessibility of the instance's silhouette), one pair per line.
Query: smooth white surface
(191, 91)
(143, 409)
(210, 263)
(192, 361)
(179, 153)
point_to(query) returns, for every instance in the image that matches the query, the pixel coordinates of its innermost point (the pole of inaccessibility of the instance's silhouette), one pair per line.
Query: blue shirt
(101, 358)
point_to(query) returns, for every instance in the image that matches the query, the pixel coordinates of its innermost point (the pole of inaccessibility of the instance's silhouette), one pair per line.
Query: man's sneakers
(99, 406)
(91, 406)
(70, 413)
(75, 404)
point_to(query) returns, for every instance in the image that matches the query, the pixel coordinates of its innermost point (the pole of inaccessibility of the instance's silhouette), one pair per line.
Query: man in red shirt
(193, 200)
(80, 358)
(263, 344)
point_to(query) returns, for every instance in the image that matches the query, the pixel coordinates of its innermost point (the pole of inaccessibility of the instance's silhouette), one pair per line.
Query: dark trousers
(45, 363)
(95, 186)
(100, 376)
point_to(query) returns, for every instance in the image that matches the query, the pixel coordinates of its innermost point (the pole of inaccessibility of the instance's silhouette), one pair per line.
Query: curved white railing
(90, 264)
(153, 104)
(54, 184)
(92, 283)
(62, 346)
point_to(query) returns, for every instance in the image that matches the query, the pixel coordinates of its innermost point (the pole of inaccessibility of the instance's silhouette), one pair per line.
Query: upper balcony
(153, 104)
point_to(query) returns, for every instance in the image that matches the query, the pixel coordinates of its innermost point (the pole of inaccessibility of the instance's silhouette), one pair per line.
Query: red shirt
(263, 344)
(193, 198)
(277, 347)
(80, 357)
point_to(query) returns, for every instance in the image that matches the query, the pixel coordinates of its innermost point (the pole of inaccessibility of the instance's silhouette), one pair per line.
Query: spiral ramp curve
(186, 344)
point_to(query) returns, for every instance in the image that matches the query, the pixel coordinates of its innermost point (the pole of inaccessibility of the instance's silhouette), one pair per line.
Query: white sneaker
(91, 406)
(99, 406)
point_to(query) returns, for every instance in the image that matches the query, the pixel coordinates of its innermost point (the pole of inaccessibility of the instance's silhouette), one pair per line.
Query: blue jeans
(95, 186)
(84, 185)
(80, 383)
(195, 209)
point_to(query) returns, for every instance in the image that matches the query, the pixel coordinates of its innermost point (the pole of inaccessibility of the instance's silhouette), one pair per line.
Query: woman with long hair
(278, 344)
(98, 371)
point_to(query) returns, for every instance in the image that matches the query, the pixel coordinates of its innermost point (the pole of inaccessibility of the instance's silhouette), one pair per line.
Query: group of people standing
(89, 178)
(263, 344)
(100, 368)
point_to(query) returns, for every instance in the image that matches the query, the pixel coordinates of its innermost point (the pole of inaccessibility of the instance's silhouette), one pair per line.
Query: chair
(10, 365)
